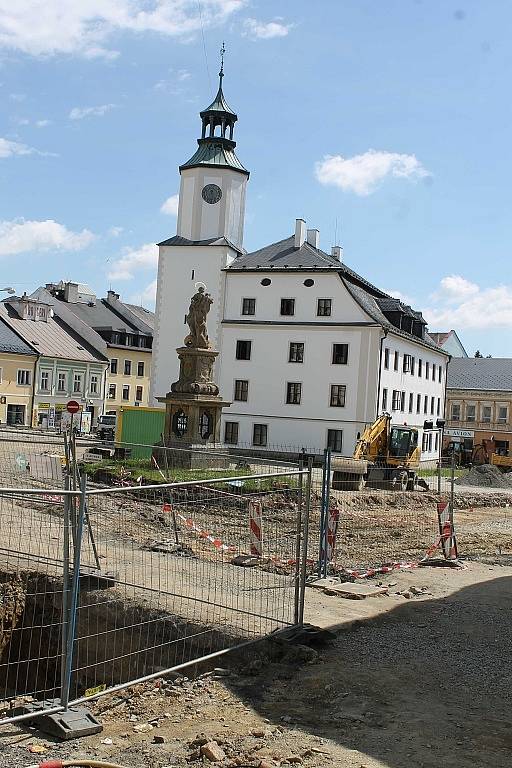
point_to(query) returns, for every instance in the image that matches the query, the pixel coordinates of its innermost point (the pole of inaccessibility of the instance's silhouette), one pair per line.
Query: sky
(384, 123)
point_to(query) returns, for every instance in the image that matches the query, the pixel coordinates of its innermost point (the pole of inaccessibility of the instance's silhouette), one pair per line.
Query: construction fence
(104, 586)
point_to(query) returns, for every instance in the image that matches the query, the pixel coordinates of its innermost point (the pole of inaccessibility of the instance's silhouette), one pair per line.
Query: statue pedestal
(193, 408)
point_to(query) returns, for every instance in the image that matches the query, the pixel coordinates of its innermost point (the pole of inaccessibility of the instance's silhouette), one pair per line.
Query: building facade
(479, 404)
(67, 367)
(122, 332)
(17, 370)
(450, 342)
(310, 351)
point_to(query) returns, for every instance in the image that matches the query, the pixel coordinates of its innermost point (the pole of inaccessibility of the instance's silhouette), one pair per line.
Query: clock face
(211, 193)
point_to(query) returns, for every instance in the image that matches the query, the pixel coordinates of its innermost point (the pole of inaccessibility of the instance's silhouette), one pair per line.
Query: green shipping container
(142, 427)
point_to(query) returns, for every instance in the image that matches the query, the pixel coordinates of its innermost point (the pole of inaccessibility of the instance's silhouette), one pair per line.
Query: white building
(310, 352)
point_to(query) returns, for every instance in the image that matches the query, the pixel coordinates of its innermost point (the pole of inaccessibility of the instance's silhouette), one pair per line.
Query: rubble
(486, 476)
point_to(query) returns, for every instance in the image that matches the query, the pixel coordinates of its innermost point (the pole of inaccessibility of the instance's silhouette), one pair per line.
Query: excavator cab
(403, 441)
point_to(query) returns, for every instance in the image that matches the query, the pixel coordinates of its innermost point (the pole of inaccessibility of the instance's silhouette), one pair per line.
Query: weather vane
(222, 52)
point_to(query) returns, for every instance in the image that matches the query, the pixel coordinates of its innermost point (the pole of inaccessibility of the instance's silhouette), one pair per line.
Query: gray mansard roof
(284, 257)
(480, 373)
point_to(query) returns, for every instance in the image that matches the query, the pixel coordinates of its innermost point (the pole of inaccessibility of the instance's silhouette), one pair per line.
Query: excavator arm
(374, 439)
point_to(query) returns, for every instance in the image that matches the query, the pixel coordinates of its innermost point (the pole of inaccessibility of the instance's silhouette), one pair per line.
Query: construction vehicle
(385, 456)
(486, 453)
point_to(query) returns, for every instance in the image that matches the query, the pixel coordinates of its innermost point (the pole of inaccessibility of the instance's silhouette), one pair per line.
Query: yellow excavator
(385, 456)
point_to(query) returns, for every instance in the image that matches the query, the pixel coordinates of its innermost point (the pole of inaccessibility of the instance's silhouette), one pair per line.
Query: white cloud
(132, 260)
(20, 236)
(78, 113)
(170, 206)
(84, 27)
(43, 123)
(362, 173)
(115, 231)
(260, 30)
(458, 303)
(11, 148)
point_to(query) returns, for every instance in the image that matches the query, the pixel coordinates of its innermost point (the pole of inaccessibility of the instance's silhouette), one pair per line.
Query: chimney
(112, 297)
(314, 238)
(300, 232)
(337, 252)
(71, 293)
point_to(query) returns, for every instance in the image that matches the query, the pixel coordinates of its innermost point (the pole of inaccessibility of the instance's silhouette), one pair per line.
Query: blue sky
(387, 121)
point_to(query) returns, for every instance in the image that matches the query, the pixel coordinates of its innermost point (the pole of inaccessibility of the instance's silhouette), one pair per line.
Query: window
(335, 440)
(0, 375)
(93, 387)
(323, 307)
(411, 402)
(61, 382)
(470, 412)
(338, 393)
(433, 371)
(113, 365)
(126, 392)
(266, 281)
(425, 404)
(296, 354)
(15, 414)
(23, 378)
(111, 391)
(243, 350)
(241, 390)
(439, 373)
(407, 363)
(502, 414)
(395, 402)
(384, 399)
(418, 403)
(140, 369)
(438, 406)
(287, 306)
(455, 412)
(432, 405)
(427, 369)
(127, 367)
(486, 413)
(259, 434)
(231, 432)
(386, 358)
(77, 382)
(293, 393)
(309, 282)
(45, 381)
(339, 354)
(424, 442)
(402, 402)
(420, 367)
(395, 363)
(430, 441)
(436, 446)
(248, 308)
(138, 393)
(413, 362)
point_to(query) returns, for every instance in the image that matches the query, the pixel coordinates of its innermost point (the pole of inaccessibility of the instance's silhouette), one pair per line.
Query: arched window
(179, 423)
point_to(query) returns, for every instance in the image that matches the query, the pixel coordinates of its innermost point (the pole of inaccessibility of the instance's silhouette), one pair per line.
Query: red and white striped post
(255, 515)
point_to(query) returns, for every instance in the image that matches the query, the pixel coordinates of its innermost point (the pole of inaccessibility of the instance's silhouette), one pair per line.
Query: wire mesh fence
(107, 584)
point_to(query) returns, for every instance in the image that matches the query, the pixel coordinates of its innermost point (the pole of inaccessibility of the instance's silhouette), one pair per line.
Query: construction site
(194, 621)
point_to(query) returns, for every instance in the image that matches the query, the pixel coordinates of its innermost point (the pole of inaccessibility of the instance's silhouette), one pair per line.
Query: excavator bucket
(348, 474)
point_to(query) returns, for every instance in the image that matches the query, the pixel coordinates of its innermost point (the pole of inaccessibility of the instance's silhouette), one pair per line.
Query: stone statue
(200, 304)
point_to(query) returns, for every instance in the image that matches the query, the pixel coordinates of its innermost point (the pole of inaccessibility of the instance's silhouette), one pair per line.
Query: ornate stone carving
(200, 304)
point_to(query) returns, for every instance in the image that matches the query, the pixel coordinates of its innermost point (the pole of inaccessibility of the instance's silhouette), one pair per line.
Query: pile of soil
(486, 476)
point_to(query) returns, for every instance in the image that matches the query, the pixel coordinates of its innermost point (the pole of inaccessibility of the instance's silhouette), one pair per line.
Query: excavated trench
(117, 639)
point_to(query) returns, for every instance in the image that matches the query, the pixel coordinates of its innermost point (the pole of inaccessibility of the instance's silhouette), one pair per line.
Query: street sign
(73, 406)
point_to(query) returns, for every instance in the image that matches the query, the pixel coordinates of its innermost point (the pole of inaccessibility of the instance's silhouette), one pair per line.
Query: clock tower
(209, 236)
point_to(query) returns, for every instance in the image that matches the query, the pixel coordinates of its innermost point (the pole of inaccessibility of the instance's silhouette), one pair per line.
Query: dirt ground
(406, 682)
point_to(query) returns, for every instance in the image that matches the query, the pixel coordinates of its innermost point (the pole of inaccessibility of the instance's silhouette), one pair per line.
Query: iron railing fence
(103, 587)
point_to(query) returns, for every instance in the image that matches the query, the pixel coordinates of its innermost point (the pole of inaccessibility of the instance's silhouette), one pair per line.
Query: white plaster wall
(180, 268)
(408, 383)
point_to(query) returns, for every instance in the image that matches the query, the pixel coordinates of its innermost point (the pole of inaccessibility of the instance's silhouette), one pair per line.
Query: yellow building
(17, 373)
(122, 332)
(128, 377)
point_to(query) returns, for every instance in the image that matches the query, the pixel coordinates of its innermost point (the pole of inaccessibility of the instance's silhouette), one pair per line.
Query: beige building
(479, 404)
(17, 372)
(122, 332)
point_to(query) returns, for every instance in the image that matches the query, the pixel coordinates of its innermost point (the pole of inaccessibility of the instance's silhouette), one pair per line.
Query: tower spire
(221, 73)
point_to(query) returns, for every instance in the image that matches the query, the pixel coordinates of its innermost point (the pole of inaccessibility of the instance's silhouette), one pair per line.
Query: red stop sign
(73, 406)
